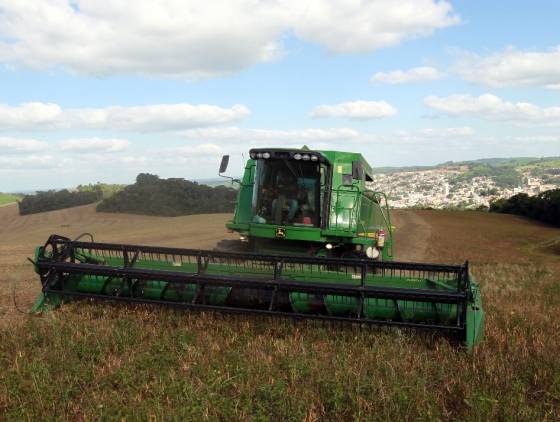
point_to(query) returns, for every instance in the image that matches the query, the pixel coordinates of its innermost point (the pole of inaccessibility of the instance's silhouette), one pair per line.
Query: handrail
(386, 218)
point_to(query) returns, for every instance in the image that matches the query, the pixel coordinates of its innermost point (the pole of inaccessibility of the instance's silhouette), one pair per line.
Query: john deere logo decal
(280, 232)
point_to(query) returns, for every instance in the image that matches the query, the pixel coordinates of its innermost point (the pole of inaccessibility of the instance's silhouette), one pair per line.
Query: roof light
(259, 155)
(253, 156)
(314, 158)
(297, 156)
(266, 155)
(305, 157)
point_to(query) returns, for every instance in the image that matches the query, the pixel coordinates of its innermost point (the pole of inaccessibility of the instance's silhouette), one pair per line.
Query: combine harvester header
(314, 243)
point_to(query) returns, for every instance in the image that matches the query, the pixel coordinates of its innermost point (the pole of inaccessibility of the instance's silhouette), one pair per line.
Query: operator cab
(289, 186)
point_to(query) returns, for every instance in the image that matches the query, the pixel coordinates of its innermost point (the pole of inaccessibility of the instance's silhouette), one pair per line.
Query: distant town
(468, 185)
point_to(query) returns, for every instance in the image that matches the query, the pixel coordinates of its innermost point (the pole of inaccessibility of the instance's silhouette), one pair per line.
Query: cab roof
(332, 157)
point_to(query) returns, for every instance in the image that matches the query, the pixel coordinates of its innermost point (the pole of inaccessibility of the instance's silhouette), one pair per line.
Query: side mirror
(357, 170)
(224, 164)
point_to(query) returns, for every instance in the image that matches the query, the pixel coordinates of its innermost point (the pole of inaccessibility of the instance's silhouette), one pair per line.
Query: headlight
(266, 155)
(297, 156)
(372, 252)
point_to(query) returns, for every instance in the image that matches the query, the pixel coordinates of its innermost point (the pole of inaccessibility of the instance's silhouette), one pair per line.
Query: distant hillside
(215, 182)
(8, 198)
(467, 184)
(151, 195)
(514, 162)
(505, 172)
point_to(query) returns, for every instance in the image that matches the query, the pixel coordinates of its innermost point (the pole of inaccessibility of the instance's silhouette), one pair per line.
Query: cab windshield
(288, 192)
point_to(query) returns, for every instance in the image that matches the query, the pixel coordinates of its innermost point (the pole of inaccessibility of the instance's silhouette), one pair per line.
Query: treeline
(151, 195)
(544, 207)
(55, 200)
(103, 190)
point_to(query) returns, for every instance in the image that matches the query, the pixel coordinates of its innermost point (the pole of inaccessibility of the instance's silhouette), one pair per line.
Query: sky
(99, 91)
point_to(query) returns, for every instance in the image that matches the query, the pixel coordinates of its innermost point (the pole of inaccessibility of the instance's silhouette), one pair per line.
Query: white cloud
(512, 67)
(436, 137)
(97, 145)
(416, 74)
(447, 132)
(297, 136)
(491, 107)
(359, 110)
(540, 139)
(190, 39)
(13, 145)
(28, 162)
(190, 150)
(353, 26)
(35, 114)
(148, 118)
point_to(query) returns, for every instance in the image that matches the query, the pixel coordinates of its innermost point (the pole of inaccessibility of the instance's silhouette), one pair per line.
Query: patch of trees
(151, 195)
(55, 200)
(544, 207)
(503, 176)
(103, 190)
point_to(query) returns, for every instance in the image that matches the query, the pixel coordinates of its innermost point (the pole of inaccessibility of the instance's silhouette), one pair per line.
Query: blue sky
(94, 91)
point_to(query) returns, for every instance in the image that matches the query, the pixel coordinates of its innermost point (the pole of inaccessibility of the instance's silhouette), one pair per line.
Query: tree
(151, 195)
(54, 200)
(544, 207)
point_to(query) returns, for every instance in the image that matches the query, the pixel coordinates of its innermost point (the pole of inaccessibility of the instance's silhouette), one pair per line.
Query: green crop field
(8, 198)
(87, 361)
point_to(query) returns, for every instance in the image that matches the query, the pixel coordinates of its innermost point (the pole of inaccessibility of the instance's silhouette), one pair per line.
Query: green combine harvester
(314, 242)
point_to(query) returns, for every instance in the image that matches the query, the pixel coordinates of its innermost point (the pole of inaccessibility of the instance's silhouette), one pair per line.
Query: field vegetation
(8, 198)
(89, 361)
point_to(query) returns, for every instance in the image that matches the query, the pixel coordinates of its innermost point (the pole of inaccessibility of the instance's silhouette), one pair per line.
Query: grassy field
(8, 198)
(87, 361)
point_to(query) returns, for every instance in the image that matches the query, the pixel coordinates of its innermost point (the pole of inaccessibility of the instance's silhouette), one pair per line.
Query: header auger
(314, 243)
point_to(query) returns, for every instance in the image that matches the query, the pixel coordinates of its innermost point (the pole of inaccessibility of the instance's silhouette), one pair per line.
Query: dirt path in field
(411, 236)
